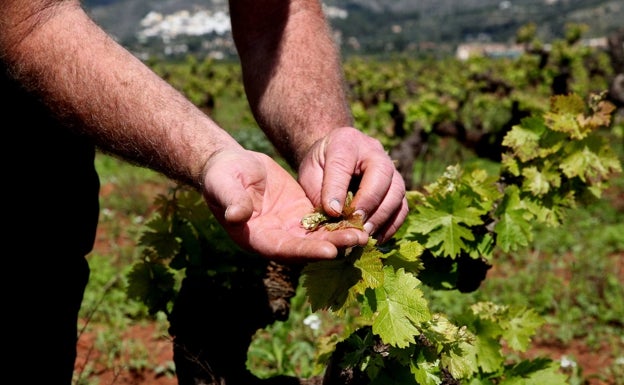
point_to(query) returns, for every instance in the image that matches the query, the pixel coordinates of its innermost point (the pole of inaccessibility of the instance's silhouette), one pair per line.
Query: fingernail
(335, 205)
(368, 227)
(361, 213)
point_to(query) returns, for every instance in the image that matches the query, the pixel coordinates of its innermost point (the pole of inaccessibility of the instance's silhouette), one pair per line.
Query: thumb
(228, 200)
(225, 189)
(240, 210)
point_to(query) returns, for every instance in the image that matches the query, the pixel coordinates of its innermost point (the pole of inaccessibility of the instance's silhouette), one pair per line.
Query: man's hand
(261, 205)
(346, 155)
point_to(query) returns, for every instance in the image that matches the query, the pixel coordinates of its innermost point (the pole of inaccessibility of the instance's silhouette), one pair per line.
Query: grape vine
(551, 156)
(553, 161)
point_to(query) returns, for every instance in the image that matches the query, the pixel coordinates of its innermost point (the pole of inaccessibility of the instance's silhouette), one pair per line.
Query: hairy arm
(294, 82)
(102, 91)
(292, 72)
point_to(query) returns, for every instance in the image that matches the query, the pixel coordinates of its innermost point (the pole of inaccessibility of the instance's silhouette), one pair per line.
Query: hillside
(377, 26)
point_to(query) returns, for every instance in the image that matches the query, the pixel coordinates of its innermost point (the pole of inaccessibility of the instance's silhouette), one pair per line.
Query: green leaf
(446, 225)
(524, 139)
(153, 284)
(565, 123)
(328, 282)
(513, 228)
(483, 247)
(159, 237)
(590, 160)
(371, 268)
(551, 143)
(486, 348)
(521, 328)
(360, 344)
(564, 114)
(447, 183)
(488, 353)
(426, 372)
(550, 211)
(460, 364)
(407, 257)
(191, 248)
(393, 374)
(537, 372)
(401, 308)
(410, 251)
(540, 182)
(510, 164)
(482, 187)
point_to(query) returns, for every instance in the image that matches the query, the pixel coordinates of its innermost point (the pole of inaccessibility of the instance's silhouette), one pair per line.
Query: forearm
(102, 91)
(292, 73)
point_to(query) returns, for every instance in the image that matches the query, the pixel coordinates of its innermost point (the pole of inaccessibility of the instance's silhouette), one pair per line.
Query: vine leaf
(540, 182)
(524, 139)
(446, 226)
(589, 159)
(159, 236)
(513, 228)
(152, 284)
(522, 325)
(425, 372)
(401, 308)
(407, 256)
(564, 115)
(487, 349)
(328, 282)
(601, 117)
(459, 364)
(537, 372)
(371, 268)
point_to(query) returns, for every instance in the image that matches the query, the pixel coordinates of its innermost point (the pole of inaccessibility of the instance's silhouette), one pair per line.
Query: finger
(376, 182)
(340, 167)
(288, 248)
(281, 244)
(228, 199)
(231, 204)
(239, 211)
(310, 177)
(385, 231)
(392, 207)
(344, 238)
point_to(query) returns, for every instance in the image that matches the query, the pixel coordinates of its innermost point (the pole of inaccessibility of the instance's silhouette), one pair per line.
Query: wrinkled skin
(260, 205)
(345, 153)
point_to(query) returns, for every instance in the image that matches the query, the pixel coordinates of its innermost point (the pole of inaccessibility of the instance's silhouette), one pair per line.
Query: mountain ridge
(378, 26)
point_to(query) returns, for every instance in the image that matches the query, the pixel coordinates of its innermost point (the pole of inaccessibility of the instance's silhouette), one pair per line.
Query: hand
(345, 155)
(260, 205)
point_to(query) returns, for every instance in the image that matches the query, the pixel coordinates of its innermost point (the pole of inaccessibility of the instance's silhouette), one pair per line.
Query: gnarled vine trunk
(214, 320)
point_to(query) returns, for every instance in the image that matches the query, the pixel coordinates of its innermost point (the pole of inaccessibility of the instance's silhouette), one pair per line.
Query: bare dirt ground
(160, 355)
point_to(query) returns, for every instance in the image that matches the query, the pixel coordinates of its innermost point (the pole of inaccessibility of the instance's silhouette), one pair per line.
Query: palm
(277, 204)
